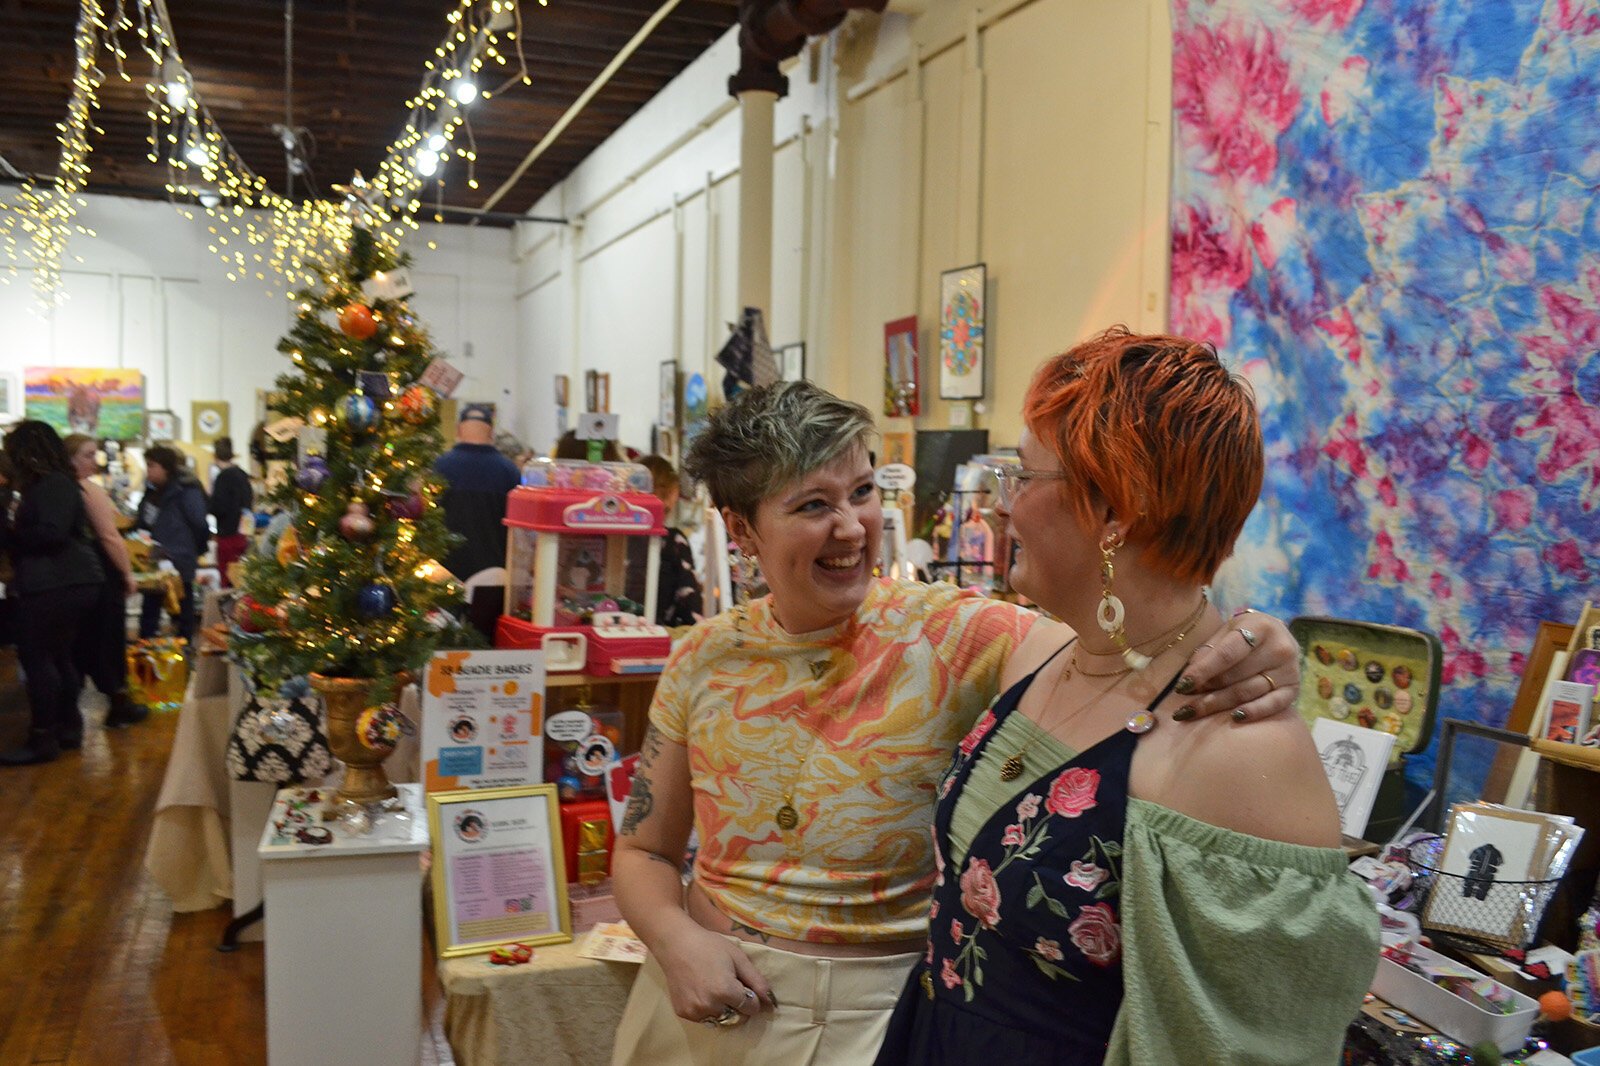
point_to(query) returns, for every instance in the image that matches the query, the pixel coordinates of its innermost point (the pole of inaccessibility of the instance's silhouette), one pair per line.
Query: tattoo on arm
(640, 801)
(739, 927)
(661, 859)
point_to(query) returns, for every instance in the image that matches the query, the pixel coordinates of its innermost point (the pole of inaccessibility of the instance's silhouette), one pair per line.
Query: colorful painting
(902, 394)
(962, 303)
(105, 404)
(1385, 216)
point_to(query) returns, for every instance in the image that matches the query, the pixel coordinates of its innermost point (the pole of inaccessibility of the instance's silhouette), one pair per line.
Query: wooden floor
(94, 966)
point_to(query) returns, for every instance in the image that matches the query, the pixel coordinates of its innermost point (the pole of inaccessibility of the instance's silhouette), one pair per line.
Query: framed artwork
(210, 419)
(161, 425)
(667, 394)
(696, 407)
(498, 870)
(898, 448)
(10, 396)
(664, 442)
(791, 360)
(963, 305)
(597, 391)
(101, 403)
(1565, 715)
(1551, 637)
(1354, 760)
(1489, 854)
(902, 394)
(561, 403)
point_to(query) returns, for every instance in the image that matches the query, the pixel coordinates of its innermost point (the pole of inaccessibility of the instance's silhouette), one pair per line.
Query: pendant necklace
(786, 815)
(1140, 721)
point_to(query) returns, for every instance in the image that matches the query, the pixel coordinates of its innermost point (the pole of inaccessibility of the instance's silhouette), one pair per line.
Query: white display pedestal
(344, 941)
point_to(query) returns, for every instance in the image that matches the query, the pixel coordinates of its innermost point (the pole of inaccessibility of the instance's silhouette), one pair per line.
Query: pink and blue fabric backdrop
(1384, 214)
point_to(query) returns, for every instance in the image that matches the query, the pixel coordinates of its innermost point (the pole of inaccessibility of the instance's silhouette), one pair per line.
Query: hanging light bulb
(209, 198)
(464, 89)
(196, 153)
(427, 162)
(436, 141)
(175, 83)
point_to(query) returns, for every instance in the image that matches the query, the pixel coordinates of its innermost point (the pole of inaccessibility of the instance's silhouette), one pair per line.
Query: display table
(344, 940)
(557, 1009)
(188, 850)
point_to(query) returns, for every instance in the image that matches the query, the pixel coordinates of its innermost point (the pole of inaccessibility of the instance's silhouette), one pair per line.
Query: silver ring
(1249, 637)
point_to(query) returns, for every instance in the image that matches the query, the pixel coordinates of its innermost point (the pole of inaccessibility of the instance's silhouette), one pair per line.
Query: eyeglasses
(1011, 479)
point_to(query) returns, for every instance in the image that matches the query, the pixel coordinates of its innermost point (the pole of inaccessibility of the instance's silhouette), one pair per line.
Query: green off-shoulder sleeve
(1236, 949)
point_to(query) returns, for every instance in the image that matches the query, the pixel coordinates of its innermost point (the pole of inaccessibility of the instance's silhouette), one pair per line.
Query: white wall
(148, 294)
(1028, 134)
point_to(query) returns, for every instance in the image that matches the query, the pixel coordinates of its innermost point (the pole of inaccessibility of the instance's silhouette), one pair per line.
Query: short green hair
(770, 436)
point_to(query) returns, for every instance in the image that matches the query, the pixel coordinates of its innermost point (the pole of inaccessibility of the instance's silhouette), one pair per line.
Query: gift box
(1449, 1013)
(586, 840)
(158, 673)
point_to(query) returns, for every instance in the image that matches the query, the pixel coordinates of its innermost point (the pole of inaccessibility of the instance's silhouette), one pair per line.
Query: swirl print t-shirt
(850, 728)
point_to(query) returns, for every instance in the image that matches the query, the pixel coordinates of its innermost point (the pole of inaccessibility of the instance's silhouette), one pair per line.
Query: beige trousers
(831, 1012)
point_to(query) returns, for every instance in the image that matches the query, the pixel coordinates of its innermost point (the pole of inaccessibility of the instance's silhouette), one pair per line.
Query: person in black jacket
(231, 497)
(174, 511)
(58, 577)
(479, 480)
(678, 598)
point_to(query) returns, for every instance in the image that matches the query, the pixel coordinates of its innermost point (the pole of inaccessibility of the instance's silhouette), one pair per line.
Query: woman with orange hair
(1110, 891)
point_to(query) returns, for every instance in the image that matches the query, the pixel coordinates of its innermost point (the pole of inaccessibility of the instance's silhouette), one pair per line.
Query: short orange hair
(1157, 428)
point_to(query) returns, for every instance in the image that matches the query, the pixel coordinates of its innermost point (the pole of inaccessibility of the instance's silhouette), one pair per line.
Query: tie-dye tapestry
(1385, 215)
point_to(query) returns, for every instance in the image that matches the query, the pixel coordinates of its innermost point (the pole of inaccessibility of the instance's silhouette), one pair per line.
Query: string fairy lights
(255, 231)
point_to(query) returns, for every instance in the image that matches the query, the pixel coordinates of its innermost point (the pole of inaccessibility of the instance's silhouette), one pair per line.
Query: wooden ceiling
(356, 62)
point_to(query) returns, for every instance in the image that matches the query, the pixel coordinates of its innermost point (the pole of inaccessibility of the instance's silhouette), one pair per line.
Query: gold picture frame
(491, 837)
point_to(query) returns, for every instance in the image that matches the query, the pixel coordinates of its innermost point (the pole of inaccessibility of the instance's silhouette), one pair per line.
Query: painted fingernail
(772, 998)
(1239, 715)
(1183, 714)
(1184, 686)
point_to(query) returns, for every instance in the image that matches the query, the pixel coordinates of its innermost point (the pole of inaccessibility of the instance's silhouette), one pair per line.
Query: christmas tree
(353, 589)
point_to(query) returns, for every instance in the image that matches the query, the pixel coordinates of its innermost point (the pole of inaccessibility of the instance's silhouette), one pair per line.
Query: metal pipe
(288, 99)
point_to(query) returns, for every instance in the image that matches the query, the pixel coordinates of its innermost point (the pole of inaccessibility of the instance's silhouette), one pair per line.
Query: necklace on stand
(1140, 721)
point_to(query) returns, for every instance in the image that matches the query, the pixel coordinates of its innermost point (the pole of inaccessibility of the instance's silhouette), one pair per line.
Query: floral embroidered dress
(1035, 905)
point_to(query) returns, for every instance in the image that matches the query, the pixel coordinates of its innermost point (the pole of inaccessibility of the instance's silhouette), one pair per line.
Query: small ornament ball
(356, 322)
(312, 473)
(253, 616)
(407, 505)
(357, 523)
(416, 405)
(1555, 1005)
(288, 547)
(375, 600)
(360, 413)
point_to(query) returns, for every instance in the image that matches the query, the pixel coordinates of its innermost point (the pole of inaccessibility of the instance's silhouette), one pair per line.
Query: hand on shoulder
(1261, 778)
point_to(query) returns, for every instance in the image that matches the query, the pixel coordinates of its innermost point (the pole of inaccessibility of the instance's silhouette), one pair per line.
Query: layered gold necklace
(1141, 721)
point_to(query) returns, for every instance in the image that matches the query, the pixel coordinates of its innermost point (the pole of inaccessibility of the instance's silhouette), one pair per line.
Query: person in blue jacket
(174, 511)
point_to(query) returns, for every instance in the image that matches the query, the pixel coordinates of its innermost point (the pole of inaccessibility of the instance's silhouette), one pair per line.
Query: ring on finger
(1271, 684)
(729, 1018)
(1249, 637)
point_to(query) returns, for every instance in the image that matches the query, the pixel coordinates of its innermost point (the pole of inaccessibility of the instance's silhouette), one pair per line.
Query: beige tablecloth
(188, 854)
(557, 1009)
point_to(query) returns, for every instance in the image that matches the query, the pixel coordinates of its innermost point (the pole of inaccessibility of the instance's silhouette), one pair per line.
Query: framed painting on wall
(561, 403)
(902, 393)
(107, 404)
(209, 419)
(597, 392)
(963, 306)
(10, 396)
(667, 394)
(791, 360)
(161, 425)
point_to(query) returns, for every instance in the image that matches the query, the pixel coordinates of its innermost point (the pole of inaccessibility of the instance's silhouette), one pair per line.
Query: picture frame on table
(667, 394)
(963, 314)
(499, 875)
(160, 425)
(1490, 854)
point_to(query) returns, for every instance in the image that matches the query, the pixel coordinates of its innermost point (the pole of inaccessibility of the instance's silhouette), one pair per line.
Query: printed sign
(482, 717)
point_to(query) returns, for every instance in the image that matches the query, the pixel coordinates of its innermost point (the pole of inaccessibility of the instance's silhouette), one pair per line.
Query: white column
(755, 200)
